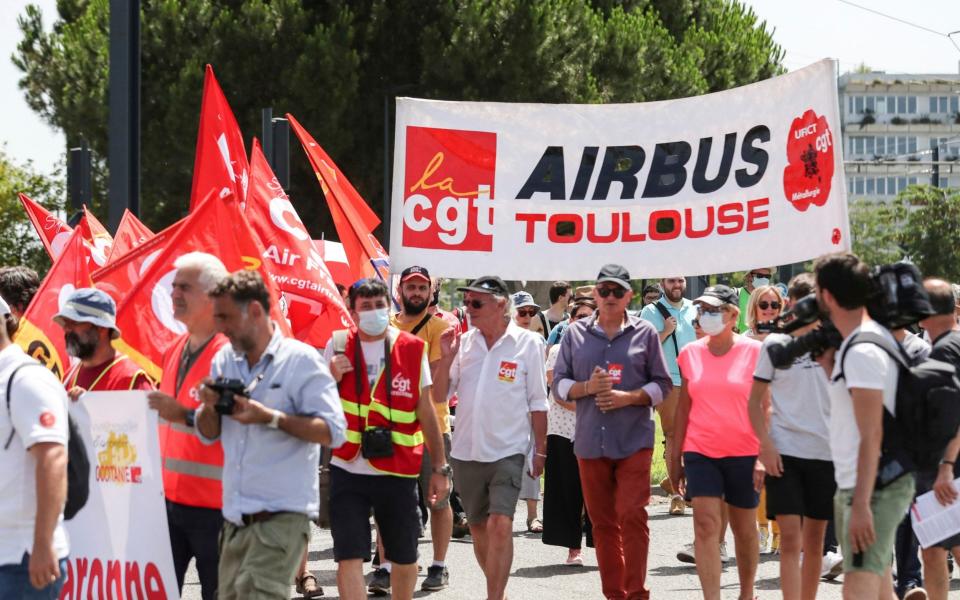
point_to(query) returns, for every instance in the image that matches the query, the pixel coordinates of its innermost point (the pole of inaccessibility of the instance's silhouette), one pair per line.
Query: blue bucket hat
(90, 305)
(521, 299)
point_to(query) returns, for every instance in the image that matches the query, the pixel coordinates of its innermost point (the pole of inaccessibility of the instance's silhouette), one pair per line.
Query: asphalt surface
(538, 571)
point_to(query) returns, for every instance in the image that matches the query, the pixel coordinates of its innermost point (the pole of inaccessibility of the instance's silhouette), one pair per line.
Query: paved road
(538, 571)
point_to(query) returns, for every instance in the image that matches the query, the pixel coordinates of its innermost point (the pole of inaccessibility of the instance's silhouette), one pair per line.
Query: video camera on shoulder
(228, 389)
(806, 311)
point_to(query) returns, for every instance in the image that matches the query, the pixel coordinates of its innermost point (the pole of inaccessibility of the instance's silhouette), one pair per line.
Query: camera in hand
(227, 388)
(376, 442)
(783, 353)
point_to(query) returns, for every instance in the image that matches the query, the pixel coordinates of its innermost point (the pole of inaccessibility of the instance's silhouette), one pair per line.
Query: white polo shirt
(38, 406)
(497, 389)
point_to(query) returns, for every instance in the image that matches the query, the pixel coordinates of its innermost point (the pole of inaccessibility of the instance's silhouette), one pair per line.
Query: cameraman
(860, 390)
(795, 450)
(271, 438)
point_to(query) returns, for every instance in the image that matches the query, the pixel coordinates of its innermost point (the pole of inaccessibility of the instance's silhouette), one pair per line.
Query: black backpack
(78, 464)
(927, 413)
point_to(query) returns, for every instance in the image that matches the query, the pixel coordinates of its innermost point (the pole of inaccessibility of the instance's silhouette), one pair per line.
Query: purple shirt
(636, 349)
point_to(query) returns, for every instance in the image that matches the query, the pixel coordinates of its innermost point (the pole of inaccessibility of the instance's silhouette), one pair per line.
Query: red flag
(37, 334)
(120, 274)
(294, 260)
(130, 234)
(336, 259)
(221, 162)
(354, 220)
(145, 316)
(53, 232)
(99, 240)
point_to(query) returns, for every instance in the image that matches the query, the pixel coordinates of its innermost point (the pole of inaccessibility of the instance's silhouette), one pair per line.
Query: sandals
(308, 587)
(534, 525)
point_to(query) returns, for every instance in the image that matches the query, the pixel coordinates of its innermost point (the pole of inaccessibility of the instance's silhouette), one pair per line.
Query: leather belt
(263, 515)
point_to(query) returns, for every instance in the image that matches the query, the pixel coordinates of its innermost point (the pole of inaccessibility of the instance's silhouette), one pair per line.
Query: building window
(912, 181)
(954, 104)
(871, 106)
(858, 186)
(892, 104)
(901, 105)
(858, 105)
(880, 149)
(943, 104)
(891, 186)
(881, 187)
(901, 144)
(912, 104)
(944, 182)
(849, 185)
(901, 184)
(870, 186)
(912, 145)
(933, 104)
(868, 149)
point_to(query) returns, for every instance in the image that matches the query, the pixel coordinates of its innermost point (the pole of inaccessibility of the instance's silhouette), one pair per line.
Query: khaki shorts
(487, 488)
(889, 506)
(426, 471)
(260, 560)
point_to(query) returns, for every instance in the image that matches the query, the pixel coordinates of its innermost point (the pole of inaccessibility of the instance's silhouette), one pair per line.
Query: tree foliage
(20, 244)
(922, 225)
(334, 63)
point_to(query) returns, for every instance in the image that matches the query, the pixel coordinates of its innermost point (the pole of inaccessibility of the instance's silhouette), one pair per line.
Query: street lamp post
(124, 101)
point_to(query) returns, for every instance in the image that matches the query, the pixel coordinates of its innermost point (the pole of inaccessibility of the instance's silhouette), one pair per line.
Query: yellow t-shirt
(430, 333)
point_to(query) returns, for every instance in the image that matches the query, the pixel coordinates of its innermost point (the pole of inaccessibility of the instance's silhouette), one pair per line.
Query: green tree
(930, 231)
(20, 244)
(335, 63)
(874, 230)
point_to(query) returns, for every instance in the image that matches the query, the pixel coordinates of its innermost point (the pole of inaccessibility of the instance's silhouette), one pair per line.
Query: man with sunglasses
(754, 278)
(497, 371)
(612, 366)
(672, 316)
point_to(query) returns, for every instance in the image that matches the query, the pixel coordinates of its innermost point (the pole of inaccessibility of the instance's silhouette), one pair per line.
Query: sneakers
(666, 486)
(677, 506)
(915, 593)
(460, 528)
(724, 557)
(764, 540)
(686, 555)
(832, 566)
(437, 579)
(379, 582)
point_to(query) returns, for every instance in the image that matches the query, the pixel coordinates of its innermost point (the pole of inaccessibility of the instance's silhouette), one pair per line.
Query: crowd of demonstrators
(567, 391)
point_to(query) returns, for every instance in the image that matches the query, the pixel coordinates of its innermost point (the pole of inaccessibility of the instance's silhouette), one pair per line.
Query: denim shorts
(15, 581)
(729, 478)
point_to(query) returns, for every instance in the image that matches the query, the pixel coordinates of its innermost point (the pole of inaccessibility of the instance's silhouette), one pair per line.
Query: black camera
(376, 442)
(227, 388)
(898, 298)
(804, 312)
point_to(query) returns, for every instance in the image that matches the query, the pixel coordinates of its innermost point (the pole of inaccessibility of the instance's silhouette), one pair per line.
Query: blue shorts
(15, 582)
(729, 478)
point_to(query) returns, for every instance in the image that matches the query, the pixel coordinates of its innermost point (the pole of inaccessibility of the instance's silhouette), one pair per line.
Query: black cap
(414, 271)
(488, 284)
(718, 295)
(616, 274)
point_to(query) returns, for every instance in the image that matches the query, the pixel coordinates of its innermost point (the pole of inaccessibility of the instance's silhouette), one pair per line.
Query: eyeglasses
(524, 312)
(618, 292)
(764, 305)
(755, 274)
(475, 304)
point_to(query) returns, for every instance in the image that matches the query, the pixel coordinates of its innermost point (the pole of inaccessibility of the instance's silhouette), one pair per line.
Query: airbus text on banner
(37, 334)
(130, 234)
(294, 260)
(145, 315)
(119, 541)
(221, 162)
(354, 220)
(53, 232)
(695, 185)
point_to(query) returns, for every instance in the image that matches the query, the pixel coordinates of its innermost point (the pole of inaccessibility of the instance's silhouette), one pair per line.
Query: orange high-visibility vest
(191, 469)
(374, 410)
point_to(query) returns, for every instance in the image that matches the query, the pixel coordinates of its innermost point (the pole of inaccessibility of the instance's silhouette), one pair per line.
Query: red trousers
(616, 493)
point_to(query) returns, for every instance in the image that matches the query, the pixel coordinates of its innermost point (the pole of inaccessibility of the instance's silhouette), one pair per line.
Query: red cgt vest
(191, 470)
(373, 409)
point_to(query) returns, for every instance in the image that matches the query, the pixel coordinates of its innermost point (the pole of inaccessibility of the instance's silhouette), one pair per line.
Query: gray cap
(521, 299)
(90, 305)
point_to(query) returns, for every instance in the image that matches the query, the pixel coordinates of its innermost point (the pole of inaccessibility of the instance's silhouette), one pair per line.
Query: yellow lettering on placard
(445, 184)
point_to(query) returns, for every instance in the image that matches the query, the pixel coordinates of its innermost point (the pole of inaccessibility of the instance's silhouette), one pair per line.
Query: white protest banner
(723, 182)
(119, 542)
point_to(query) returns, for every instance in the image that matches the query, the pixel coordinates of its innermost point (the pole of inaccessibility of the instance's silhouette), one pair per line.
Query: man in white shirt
(33, 474)
(863, 383)
(497, 371)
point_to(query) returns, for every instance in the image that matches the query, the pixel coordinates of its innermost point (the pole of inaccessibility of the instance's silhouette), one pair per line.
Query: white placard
(932, 521)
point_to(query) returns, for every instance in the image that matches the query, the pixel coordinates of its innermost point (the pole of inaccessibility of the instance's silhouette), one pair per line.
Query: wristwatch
(444, 470)
(275, 420)
(190, 418)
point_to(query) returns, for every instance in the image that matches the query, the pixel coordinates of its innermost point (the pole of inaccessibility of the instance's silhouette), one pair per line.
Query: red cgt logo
(809, 174)
(507, 371)
(448, 189)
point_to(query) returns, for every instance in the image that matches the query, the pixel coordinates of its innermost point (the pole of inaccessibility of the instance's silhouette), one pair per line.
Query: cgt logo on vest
(401, 386)
(448, 189)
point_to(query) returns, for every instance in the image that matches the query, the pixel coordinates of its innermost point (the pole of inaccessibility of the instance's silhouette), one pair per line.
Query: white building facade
(892, 124)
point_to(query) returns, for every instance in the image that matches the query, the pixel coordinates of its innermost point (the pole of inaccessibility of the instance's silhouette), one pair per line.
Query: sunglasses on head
(764, 305)
(527, 312)
(618, 292)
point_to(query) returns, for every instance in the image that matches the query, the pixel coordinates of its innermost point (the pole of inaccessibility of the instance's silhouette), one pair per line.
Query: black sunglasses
(618, 292)
(475, 304)
(531, 312)
(764, 305)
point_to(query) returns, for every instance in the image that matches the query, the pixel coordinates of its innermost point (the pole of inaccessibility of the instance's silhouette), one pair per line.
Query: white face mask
(760, 281)
(373, 322)
(712, 323)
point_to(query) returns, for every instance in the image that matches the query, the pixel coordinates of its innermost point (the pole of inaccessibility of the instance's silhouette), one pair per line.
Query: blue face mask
(760, 281)
(373, 322)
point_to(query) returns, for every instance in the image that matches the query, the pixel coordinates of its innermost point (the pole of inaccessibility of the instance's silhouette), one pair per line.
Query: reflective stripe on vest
(372, 409)
(191, 469)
